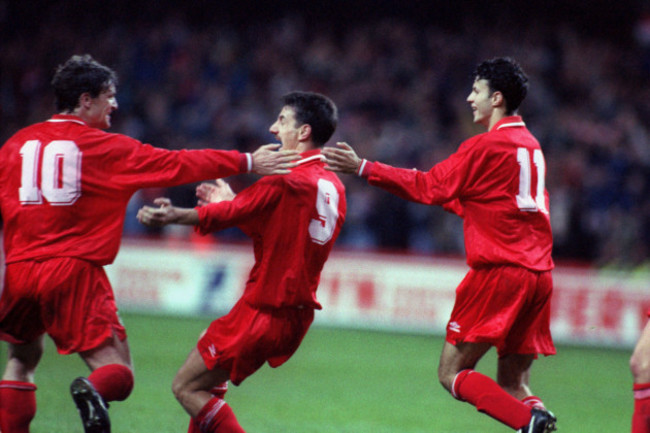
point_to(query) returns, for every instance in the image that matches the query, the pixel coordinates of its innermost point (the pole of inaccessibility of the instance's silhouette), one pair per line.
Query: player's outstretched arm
(214, 193)
(166, 214)
(268, 160)
(342, 158)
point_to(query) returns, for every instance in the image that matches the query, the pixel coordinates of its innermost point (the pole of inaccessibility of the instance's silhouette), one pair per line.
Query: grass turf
(338, 381)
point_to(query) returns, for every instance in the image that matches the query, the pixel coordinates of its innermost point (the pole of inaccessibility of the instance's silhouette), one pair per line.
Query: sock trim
(641, 391)
(18, 385)
(206, 419)
(458, 379)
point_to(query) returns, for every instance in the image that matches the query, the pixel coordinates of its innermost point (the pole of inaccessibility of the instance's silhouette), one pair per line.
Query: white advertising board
(376, 291)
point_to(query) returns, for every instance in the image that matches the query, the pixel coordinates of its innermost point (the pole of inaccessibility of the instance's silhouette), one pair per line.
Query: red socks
(113, 382)
(217, 391)
(217, 417)
(488, 397)
(17, 406)
(641, 415)
(18, 399)
(534, 402)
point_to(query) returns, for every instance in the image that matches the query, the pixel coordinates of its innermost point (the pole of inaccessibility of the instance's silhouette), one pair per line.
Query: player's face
(101, 107)
(480, 99)
(285, 129)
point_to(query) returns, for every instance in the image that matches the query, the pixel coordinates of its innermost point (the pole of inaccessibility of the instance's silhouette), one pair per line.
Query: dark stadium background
(589, 63)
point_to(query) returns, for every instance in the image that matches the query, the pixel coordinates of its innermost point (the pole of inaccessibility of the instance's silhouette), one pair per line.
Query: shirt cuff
(365, 168)
(245, 163)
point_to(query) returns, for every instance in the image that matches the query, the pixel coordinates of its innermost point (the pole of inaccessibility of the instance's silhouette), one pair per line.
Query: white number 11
(525, 200)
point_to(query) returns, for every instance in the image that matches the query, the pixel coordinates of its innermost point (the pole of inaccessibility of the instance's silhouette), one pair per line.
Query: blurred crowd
(400, 89)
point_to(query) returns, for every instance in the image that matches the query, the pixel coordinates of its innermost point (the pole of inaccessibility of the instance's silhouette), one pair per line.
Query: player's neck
(496, 117)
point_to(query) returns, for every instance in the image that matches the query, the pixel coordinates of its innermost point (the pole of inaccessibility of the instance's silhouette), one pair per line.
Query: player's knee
(179, 389)
(445, 377)
(24, 358)
(640, 368)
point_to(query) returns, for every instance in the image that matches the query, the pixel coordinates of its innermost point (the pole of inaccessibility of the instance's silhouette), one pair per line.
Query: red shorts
(69, 299)
(506, 306)
(247, 337)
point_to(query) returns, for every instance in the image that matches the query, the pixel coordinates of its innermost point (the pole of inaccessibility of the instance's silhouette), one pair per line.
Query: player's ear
(304, 132)
(85, 100)
(497, 99)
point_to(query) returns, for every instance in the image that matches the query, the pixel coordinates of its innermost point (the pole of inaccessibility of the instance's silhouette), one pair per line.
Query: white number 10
(60, 173)
(525, 200)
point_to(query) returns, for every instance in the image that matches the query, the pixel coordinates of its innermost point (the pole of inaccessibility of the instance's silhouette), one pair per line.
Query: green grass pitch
(339, 381)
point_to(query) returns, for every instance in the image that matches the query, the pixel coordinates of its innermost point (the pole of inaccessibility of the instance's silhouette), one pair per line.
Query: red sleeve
(142, 165)
(244, 209)
(455, 207)
(445, 182)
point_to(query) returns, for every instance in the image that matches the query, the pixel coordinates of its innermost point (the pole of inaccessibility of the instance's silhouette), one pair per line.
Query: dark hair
(506, 76)
(78, 75)
(315, 110)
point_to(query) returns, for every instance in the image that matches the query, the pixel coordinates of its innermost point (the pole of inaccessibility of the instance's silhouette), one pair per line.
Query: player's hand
(214, 193)
(157, 216)
(166, 214)
(342, 158)
(269, 160)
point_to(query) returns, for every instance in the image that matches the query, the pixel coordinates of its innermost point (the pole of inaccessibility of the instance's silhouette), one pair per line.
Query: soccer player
(495, 182)
(64, 188)
(293, 221)
(640, 367)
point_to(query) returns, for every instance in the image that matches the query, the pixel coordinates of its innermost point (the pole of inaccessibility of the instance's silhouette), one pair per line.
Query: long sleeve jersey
(293, 221)
(495, 182)
(65, 186)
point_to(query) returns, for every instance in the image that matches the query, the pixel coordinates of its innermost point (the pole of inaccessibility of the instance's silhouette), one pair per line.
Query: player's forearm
(185, 216)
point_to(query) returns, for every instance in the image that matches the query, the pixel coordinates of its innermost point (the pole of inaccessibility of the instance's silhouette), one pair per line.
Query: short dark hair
(315, 110)
(78, 75)
(504, 75)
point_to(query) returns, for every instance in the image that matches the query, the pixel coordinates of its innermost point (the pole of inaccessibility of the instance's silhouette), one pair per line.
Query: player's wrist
(363, 168)
(246, 163)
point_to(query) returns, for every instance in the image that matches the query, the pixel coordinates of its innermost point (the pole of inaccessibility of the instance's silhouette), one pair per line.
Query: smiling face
(286, 129)
(96, 112)
(481, 99)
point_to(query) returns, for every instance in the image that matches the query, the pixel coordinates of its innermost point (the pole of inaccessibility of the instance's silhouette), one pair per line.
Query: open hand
(214, 193)
(342, 158)
(268, 160)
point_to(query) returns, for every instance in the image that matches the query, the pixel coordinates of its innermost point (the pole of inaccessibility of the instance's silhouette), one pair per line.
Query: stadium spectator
(65, 187)
(496, 183)
(196, 82)
(294, 221)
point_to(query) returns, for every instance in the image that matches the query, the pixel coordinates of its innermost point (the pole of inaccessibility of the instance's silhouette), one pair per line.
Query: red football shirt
(65, 186)
(293, 220)
(495, 181)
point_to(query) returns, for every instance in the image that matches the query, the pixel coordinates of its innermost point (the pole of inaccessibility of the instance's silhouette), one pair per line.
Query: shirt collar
(509, 122)
(57, 118)
(309, 156)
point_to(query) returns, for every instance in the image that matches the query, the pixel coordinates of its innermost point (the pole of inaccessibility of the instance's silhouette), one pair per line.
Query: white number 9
(321, 230)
